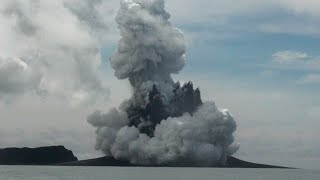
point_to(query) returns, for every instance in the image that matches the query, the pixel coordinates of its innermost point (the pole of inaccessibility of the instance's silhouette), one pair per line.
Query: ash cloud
(52, 48)
(16, 77)
(163, 122)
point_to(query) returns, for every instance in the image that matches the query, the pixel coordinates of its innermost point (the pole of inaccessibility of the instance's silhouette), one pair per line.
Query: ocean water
(119, 173)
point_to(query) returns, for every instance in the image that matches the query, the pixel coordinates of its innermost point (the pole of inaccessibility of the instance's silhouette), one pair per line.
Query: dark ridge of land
(60, 156)
(232, 162)
(103, 161)
(36, 156)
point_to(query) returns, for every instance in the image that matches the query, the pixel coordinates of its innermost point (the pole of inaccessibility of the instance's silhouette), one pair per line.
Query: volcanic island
(164, 123)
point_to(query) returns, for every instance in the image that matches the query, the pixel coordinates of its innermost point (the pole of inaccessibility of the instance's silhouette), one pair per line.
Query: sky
(259, 59)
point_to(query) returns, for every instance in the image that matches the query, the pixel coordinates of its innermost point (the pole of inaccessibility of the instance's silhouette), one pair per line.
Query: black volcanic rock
(109, 161)
(36, 156)
(185, 99)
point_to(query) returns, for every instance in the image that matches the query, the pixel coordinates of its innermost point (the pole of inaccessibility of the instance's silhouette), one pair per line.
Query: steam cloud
(163, 123)
(38, 57)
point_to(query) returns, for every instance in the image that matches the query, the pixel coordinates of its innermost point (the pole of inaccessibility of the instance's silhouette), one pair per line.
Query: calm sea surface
(119, 173)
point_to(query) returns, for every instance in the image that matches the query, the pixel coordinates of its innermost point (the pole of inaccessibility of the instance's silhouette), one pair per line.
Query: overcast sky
(259, 59)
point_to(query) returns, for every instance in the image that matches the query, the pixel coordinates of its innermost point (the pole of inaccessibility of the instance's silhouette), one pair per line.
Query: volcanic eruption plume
(164, 122)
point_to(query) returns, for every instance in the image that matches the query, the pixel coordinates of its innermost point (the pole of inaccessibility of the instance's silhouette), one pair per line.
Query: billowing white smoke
(52, 48)
(16, 76)
(188, 132)
(150, 49)
(203, 139)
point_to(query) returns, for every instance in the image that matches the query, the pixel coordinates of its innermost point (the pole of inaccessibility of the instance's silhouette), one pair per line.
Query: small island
(36, 156)
(232, 162)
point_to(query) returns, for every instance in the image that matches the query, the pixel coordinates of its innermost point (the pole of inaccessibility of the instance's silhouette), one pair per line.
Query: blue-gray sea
(119, 173)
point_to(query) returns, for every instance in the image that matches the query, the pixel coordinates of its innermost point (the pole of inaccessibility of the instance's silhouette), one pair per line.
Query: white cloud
(273, 16)
(211, 10)
(287, 27)
(59, 42)
(288, 57)
(295, 60)
(299, 61)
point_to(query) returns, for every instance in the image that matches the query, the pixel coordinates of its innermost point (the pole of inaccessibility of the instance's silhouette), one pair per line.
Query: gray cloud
(58, 43)
(16, 77)
(86, 11)
(288, 57)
